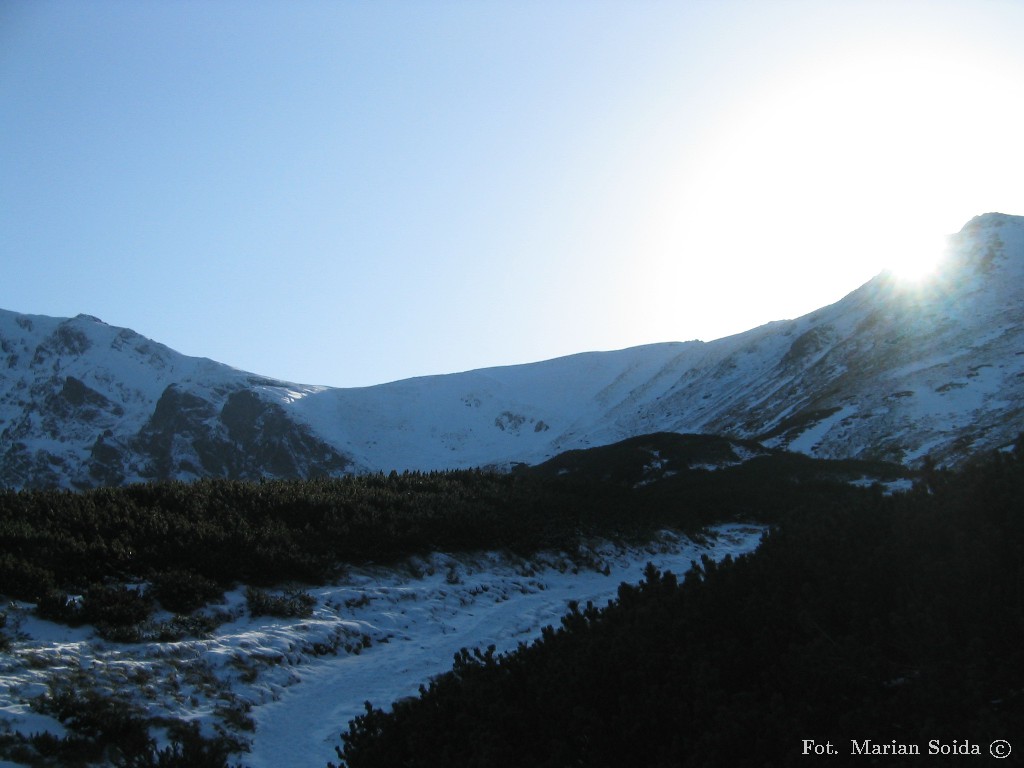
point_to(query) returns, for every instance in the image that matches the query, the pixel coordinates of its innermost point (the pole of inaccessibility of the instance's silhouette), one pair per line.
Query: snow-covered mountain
(893, 371)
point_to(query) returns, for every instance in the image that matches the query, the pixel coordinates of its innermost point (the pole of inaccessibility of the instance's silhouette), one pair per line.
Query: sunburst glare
(916, 261)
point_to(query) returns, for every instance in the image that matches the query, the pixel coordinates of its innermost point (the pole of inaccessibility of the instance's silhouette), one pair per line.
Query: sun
(834, 172)
(915, 260)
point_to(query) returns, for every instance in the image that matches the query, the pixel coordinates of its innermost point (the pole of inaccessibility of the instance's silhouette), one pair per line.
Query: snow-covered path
(289, 687)
(430, 619)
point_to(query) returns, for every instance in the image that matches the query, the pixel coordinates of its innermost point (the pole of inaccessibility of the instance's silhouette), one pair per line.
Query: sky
(349, 193)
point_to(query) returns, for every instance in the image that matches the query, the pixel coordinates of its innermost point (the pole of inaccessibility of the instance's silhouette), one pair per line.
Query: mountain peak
(987, 240)
(990, 220)
(81, 316)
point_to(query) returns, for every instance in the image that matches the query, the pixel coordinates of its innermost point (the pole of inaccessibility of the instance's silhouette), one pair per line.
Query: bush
(112, 731)
(57, 605)
(292, 604)
(196, 625)
(188, 749)
(116, 606)
(182, 591)
(21, 577)
(96, 722)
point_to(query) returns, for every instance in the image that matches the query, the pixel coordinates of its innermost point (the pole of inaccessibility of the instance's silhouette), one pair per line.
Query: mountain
(85, 404)
(893, 371)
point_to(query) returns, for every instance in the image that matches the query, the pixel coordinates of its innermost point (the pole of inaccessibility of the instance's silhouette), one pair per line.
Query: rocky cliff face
(893, 371)
(85, 404)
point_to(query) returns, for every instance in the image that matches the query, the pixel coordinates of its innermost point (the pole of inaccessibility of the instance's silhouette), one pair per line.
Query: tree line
(189, 541)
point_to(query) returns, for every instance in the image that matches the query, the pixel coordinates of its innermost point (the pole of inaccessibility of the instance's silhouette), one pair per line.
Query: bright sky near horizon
(348, 193)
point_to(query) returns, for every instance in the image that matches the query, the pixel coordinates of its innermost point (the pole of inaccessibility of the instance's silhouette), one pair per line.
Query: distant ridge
(892, 372)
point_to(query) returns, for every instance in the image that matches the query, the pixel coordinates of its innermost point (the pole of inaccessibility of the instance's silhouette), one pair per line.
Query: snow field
(288, 687)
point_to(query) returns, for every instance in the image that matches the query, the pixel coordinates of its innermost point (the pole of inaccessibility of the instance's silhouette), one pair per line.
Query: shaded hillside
(646, 459)
(881, 618)
(217, 532)
(665, 459)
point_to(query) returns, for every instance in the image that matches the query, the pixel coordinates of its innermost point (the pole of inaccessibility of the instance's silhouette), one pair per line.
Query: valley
(202, 564)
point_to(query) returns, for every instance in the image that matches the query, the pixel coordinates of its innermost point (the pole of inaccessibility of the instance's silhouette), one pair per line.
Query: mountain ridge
(892, 371)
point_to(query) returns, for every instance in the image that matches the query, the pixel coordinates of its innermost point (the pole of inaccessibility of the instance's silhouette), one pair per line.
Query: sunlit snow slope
(893, 371)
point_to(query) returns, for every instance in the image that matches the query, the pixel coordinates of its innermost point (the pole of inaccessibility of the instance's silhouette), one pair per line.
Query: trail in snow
(430, 620)
(289, 687)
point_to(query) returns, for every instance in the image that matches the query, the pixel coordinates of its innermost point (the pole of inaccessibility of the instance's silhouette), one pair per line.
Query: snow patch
(808, 441)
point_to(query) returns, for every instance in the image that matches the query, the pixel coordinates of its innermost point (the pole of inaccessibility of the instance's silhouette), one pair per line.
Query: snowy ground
(289, 687)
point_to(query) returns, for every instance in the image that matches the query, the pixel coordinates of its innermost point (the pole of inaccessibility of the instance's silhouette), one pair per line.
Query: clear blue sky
(348, 193)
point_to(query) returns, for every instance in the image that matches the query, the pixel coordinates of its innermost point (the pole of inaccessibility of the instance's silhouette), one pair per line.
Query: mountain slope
(84, 404)
(892, 372)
